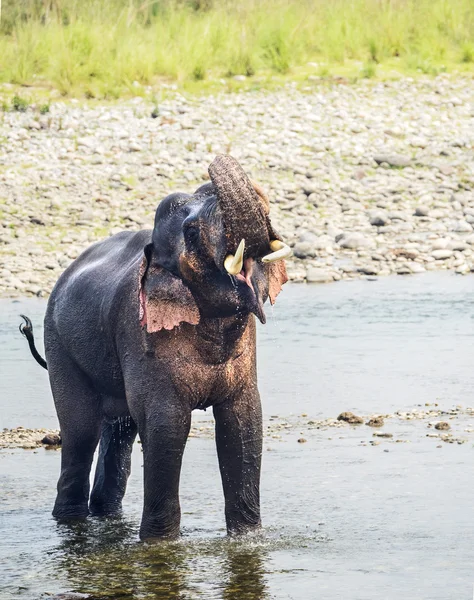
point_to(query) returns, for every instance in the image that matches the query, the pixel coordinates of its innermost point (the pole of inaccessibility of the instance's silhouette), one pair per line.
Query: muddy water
(342, 519)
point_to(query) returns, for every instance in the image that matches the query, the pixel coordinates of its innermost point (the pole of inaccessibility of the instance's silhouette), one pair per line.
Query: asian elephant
(145, 327)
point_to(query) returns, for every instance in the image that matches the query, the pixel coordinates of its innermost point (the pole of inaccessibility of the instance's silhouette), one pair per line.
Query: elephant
(145, 327)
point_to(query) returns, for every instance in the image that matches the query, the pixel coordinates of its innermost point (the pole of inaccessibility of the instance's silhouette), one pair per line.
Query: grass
(108, 48)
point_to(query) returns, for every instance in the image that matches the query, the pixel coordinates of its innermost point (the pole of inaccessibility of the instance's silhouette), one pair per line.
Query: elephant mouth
(246, 273)
(247, 285)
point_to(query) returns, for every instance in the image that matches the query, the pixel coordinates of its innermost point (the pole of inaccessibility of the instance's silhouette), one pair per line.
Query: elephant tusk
(233, 264)
(280, 250)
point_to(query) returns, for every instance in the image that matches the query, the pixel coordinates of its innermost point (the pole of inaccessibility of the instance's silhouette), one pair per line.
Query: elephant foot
(158, 533)
(98, 509)
(155, 539)
(70, 512)
(237, 527)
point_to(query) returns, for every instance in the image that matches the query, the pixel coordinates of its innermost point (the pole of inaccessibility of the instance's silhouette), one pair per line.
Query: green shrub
(19, 104)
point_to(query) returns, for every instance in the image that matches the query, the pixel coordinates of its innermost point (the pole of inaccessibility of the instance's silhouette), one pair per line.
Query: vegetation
(103, 47)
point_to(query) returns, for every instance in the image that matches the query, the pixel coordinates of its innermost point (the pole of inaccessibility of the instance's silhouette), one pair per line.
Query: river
(342, 519)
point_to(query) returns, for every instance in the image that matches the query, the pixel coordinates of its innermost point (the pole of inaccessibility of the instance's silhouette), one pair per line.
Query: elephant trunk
(244, 211)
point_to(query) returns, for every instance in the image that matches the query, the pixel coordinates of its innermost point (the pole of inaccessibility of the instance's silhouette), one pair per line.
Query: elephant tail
(26, 329)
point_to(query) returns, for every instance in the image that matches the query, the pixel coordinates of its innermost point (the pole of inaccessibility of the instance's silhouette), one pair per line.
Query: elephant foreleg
(163, 434)
(113, 465)
(239, 448)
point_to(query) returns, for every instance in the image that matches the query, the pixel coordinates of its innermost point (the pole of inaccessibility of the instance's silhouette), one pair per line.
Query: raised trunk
(243, 212)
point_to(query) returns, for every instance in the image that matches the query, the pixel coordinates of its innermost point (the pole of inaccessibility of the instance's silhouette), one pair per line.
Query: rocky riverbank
(452, 425)
(365, 180)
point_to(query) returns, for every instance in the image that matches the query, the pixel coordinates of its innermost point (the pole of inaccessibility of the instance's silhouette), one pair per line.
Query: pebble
(393, 160)
(422, 211)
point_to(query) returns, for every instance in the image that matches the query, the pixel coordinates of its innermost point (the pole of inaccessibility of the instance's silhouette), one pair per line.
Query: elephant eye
(191, 235)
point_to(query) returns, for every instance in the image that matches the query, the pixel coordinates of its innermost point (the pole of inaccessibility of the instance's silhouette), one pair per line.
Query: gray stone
(354, 240)
(457, 245)
(318, 275)
(378, 218)
(416, 267)
(462, 227)
(422, 211)
(303, 250)
(440, 244)
(307, 236)
(394, 160)
(442, 254)
(323, 242)
(369, 269)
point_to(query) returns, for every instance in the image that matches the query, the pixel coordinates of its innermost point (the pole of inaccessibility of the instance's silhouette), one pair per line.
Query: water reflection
(246, 574)
(100, 557)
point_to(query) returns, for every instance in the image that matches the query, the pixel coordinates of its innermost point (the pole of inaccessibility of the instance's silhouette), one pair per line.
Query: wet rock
(376, 422)
(351, 418)
(442, 426)
(52, 440)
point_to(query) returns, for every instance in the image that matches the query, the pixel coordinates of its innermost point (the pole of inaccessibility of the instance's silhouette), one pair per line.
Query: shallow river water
(342, 520)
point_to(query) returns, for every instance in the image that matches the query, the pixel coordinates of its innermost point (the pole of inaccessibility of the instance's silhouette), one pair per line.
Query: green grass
(103, 48)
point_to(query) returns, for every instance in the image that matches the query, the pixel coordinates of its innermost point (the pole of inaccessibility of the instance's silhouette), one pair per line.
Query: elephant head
(212, 254)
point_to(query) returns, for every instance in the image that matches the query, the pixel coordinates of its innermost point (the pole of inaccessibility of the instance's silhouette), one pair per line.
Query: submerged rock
(351, 418)
(53, 439)
(375, 422)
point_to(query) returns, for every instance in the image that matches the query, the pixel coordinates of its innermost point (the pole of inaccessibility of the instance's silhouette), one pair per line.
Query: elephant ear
(277, 277)
(165, 302)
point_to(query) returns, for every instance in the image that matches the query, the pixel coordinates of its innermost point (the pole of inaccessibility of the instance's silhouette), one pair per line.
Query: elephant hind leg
(113, 465)
(78, 406)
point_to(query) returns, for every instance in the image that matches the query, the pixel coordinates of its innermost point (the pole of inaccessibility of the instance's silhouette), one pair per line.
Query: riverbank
(365, 180)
